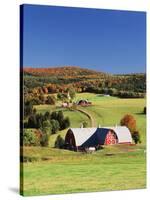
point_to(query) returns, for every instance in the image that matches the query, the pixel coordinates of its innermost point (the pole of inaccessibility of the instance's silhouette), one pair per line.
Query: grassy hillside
(106, 111)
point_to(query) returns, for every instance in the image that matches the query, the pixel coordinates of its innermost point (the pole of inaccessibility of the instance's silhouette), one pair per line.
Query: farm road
(93, 122)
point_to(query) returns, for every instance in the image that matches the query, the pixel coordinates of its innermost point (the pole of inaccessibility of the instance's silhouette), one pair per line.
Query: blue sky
(103, 40)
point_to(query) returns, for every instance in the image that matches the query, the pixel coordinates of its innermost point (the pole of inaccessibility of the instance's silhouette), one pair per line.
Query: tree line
(123, 86)
(46, 124)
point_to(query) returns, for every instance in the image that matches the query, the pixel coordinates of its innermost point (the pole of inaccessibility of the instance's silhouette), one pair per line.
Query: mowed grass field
(113, 168)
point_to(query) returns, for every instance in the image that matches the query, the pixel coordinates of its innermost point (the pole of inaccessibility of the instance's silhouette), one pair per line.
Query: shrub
(44, 140)
(136, 137)
(59, 143)
(30, 138)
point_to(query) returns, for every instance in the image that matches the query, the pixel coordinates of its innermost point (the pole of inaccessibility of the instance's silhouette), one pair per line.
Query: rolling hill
(66, 71)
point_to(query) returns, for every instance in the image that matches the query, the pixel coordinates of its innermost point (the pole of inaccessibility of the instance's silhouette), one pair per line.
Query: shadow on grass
(141, 113)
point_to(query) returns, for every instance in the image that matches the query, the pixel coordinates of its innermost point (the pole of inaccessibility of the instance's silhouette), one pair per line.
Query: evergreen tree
(59, 143)
(55, 126)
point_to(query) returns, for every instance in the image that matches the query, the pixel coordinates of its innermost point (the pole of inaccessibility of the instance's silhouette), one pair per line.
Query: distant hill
(85, 80)
(66, 71)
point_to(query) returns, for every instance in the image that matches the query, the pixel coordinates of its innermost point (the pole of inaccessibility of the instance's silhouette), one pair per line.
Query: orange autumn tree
(129, 121)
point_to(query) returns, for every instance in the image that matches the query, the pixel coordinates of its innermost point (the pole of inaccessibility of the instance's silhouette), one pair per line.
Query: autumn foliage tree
(129, 121)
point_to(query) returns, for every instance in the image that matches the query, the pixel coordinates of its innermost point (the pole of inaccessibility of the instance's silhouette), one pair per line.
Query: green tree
(44, 141)
(39, 120)
(47, 116)
(54, 115)
(60, 118)
(55, 126)
(28, 108)
(32, 122)
(30, 138)
(59, 143)
(66, 122)
(47, 127)
(46, 132)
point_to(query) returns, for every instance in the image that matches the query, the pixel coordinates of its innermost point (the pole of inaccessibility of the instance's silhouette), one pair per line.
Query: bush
(44, 140)
(59, 143)
(136, 137)
(30, 138)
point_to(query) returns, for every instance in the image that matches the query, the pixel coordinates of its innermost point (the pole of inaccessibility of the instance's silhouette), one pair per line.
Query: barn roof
(97, 138)
(93, 136)
(82, 134)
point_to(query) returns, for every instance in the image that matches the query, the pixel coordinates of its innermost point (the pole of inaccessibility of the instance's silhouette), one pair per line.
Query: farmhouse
(81, 138)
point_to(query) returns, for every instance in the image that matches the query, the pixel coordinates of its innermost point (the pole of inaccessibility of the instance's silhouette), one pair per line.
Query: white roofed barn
(80, 138)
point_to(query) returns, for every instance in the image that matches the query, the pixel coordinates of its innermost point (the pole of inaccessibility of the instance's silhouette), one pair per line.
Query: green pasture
(115, 167)
(106, 111)
(70, 172)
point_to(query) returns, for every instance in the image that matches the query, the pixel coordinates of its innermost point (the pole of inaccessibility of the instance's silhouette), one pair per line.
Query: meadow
(112, 168)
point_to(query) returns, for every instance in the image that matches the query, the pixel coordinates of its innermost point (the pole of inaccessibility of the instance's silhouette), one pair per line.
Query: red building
(80, 138)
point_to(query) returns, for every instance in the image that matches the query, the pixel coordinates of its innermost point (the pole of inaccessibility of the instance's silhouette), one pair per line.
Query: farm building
(81, 138)
(84, 102)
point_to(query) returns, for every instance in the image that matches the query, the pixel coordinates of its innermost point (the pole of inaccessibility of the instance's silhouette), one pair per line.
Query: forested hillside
(59, 79)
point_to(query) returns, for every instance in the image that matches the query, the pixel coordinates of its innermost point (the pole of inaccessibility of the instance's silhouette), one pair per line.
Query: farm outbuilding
(84, 102)
(81, 138)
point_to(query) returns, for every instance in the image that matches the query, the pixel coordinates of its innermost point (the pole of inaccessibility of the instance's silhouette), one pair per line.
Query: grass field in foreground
(67, 172)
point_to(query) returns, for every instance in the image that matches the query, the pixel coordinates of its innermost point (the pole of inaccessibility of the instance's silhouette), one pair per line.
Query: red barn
(81, 138)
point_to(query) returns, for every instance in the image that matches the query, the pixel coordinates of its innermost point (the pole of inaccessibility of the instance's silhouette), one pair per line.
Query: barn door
(110, 139)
